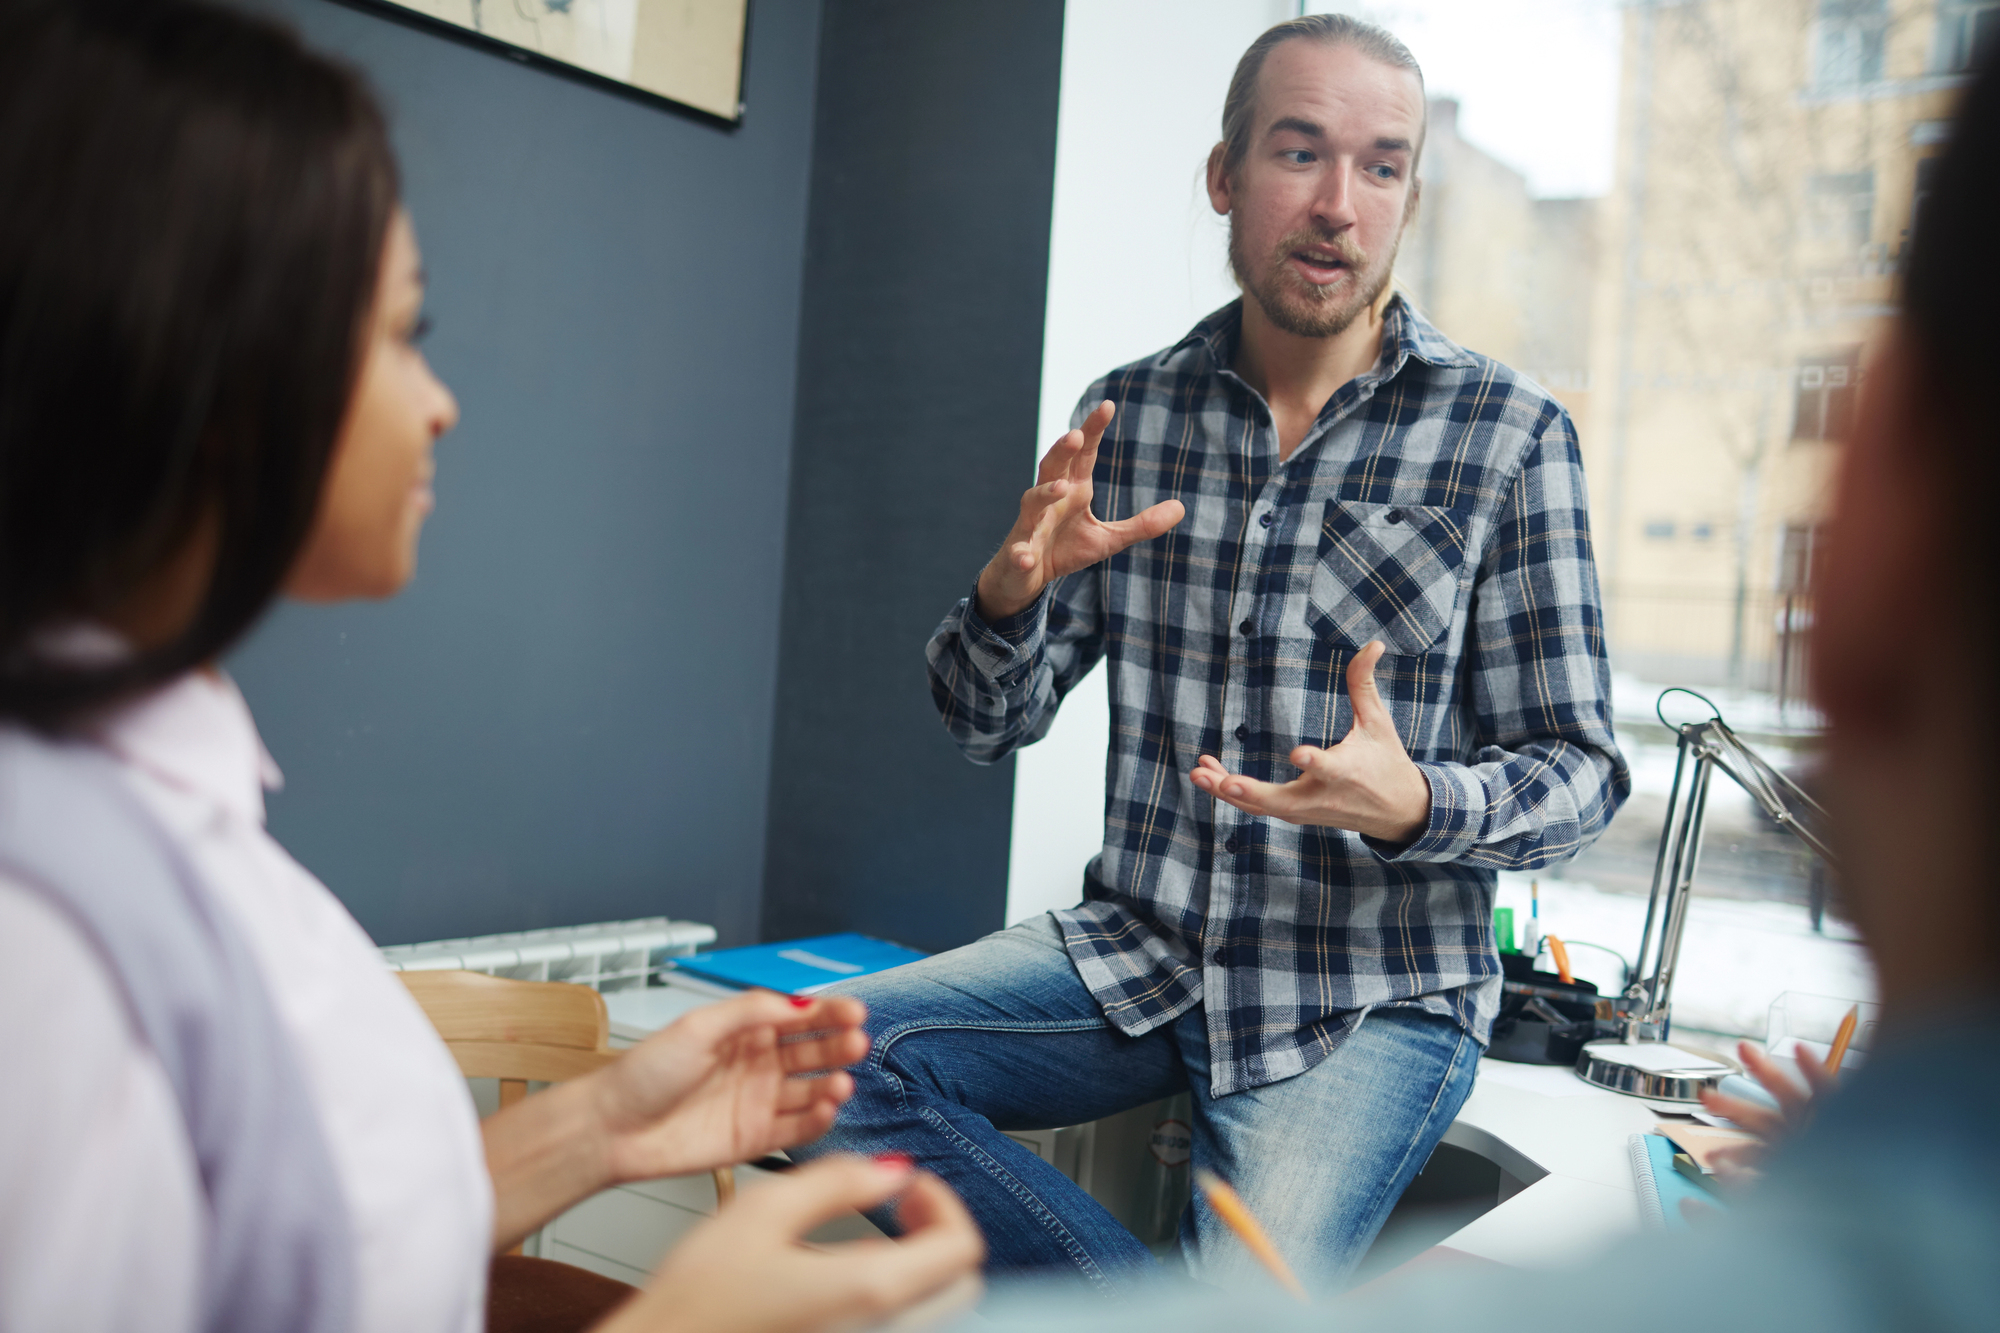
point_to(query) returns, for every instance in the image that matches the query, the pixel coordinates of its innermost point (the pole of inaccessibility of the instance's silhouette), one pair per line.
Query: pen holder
(1543, 1020)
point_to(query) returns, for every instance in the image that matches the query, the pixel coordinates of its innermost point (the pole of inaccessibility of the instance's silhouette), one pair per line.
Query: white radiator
(611, 955)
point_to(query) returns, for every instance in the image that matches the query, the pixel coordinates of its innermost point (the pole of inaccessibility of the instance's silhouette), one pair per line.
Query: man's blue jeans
(1002, 1035)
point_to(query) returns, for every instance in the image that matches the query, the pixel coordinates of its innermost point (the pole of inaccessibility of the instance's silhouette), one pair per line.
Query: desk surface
(1562, 1139)
(636, 1014)
(1566, 1141)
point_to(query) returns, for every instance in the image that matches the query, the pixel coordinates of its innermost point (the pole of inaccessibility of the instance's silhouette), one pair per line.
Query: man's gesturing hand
(1366, 783)
(1056, 533)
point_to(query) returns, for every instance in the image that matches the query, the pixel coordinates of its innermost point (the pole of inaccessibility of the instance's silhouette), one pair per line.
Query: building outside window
(1966, 30)
(1840, 207)
(1849, 37)
(1796, 547)
(1920, 190)
(1823, 406)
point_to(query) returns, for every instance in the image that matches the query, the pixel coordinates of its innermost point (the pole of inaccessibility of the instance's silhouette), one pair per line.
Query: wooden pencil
(1840, 1040)
(1236, 1215)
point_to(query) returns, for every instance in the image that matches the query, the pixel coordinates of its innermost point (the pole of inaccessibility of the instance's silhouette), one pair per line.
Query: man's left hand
(1366, 783)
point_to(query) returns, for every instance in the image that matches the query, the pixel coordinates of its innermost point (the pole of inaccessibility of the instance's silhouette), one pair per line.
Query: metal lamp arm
(1712, 744)
(1769, 787)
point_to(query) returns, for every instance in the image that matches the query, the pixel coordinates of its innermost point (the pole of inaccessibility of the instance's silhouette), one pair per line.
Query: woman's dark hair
(1951, 295)
(192, 212)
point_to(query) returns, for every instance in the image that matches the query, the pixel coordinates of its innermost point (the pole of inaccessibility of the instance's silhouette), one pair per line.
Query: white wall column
(1136, 256)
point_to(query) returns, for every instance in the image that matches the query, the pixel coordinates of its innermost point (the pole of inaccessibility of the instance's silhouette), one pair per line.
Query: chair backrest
(515, 1031)
(523, 1031)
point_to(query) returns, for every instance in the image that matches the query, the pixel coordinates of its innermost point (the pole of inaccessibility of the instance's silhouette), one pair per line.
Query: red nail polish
(897, 1161)
(800, 1001)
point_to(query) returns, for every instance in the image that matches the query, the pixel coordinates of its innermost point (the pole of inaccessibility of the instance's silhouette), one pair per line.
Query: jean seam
(889, 1036)
(1043, 1215)
(1430, 1114)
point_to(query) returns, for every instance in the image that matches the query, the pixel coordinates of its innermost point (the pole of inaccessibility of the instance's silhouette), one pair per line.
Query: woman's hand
(1795, 1108)
(721, 1085)
(728, 1082)
(747, 1270)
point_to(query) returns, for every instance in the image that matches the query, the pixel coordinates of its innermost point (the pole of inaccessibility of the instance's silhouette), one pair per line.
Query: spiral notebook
(1661, 1188)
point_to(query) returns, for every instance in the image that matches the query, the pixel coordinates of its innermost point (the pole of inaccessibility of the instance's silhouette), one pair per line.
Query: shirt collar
(195, 734)
(1405, 334)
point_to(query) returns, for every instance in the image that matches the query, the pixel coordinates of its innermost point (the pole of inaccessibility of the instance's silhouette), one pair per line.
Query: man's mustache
(1337, 243)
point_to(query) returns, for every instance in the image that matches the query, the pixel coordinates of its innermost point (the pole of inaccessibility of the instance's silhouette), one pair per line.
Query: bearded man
(1344, 584)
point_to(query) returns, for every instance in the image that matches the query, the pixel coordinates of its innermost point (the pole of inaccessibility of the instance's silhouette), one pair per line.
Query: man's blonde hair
(1332, 29)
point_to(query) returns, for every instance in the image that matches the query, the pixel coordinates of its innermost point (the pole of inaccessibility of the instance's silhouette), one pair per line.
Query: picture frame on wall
(687, 52)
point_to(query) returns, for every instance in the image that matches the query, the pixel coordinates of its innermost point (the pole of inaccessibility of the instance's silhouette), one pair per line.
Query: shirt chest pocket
(1388, 572)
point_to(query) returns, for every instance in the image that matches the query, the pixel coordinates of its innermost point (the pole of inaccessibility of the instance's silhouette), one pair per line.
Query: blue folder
(799, 967)
(1661, 1188)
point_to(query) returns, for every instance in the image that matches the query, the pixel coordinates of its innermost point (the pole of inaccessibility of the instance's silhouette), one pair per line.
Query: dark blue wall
(919, 375)
(567, 717)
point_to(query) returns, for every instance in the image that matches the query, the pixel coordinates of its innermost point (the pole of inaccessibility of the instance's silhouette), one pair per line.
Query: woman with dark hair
(221, 1112)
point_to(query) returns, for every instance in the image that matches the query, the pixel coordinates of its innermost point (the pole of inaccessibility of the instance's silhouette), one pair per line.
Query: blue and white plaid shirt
(1438, 504)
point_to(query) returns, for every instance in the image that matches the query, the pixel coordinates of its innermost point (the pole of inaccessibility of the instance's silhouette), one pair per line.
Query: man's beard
(1304, 308)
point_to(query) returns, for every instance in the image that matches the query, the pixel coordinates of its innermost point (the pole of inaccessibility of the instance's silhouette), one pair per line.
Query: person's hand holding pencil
(1795, 1104)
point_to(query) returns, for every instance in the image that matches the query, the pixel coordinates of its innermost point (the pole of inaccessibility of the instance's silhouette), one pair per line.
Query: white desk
(1561, 1146)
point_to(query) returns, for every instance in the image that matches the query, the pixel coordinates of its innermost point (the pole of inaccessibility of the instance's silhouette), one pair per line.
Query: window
(1795, 557)
(1702, 532)
(1847, 42)
(1926, 175)
(1966, 31)
(1840, 208)
(1824, 406)
(1660, 530)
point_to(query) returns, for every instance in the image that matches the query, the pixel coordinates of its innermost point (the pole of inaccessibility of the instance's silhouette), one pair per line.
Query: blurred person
(220, 1111)
(1344, 589)
(1879, 1209)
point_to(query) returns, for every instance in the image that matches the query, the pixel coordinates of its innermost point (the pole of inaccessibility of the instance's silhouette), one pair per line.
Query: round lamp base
(1650, 1069)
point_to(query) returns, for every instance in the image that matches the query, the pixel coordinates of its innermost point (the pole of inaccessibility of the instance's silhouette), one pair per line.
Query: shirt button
(1264, 519)
(1231, 843)
(1220, 957)
(1246, 627)
(1394, 516)
(1242, 731)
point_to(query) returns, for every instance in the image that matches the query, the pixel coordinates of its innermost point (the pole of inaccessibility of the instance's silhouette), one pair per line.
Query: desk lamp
(1640, 1061)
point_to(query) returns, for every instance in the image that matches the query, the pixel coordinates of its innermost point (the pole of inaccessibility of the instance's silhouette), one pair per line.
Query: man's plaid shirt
(1437, 504)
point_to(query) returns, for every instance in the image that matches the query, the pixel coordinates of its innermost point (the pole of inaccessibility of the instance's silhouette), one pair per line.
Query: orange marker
(1840, 1040)
(1561, 954)
(1237, 1217)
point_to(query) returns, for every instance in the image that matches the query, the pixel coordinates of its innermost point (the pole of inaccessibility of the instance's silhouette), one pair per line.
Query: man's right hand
(1056, 533)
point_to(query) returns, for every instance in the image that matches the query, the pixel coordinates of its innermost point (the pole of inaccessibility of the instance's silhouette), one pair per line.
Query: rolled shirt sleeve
(1546, 776)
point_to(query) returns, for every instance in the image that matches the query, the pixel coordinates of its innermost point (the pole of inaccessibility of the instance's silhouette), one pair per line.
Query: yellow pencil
(1841, 1038)
(1237, 1217)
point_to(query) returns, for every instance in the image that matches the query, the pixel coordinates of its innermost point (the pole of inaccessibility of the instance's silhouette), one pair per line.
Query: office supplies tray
(1543, 1020)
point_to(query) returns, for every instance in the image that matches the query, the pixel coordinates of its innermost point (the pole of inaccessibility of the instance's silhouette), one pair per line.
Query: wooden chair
(515, 1031)
(523, 1032)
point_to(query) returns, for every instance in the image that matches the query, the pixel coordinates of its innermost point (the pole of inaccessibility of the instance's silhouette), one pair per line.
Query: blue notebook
(799, 967)
(1661, 1188)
